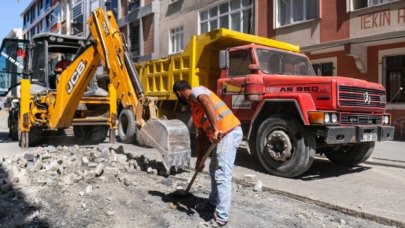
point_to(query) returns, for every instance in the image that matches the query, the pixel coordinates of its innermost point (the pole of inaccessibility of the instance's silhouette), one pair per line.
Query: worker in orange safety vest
(214, 119)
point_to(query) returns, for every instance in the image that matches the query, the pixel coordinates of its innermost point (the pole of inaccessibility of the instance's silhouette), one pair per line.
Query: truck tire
(350, 154)
(284, 148)
(127, 128)
(90, 133)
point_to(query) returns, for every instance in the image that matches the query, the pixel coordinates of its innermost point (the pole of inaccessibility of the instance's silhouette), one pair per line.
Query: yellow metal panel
(113, 105)
(25, 100)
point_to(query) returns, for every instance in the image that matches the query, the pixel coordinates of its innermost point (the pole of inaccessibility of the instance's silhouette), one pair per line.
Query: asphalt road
(374, 190)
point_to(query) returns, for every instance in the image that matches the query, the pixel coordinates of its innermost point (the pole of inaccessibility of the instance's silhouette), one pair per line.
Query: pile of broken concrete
(68, 165)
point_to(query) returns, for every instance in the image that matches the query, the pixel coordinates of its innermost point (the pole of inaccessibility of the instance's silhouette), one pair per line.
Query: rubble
(250, 178)
(104, 187)
(66, 166)
(258, 186)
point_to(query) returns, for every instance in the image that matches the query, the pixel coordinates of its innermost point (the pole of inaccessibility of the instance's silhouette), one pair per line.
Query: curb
(347, 211)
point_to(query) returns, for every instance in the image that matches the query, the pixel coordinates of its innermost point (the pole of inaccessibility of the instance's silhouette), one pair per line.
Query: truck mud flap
(172, 139)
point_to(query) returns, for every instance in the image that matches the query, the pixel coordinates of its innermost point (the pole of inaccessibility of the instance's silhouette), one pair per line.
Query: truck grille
(350, 96)
(364, 119)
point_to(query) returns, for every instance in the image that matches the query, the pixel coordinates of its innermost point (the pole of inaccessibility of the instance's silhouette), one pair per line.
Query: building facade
(58, 16)
(180, 20)
(138, 21)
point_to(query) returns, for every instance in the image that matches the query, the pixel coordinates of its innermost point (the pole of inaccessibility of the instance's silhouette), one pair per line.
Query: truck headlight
(323, 118)
(327, 118)
(334, 118)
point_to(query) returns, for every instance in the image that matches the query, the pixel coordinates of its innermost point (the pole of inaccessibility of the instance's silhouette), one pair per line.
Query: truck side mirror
(223, 59)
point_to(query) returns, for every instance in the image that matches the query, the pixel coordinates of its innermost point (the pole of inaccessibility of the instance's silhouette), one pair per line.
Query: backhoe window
(285, 63)
(13, 57)
(38, 63)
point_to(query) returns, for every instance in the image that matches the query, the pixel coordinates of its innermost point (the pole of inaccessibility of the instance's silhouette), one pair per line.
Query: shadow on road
(15, 211)
(188, 204)
(4, 137)
(320, 169)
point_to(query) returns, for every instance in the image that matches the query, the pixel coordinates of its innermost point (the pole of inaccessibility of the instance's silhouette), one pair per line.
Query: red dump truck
(288, 113)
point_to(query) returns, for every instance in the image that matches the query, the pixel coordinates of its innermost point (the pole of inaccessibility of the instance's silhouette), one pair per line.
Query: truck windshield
(285, 63)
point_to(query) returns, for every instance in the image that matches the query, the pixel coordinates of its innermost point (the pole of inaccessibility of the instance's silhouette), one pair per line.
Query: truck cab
(289, 113)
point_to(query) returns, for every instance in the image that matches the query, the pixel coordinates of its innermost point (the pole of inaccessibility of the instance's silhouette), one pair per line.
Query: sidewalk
(390, 154)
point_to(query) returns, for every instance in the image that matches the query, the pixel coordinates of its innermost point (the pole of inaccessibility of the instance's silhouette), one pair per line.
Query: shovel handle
(206, 155)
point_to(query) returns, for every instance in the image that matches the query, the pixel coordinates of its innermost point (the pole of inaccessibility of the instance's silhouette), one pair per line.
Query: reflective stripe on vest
(226, 119)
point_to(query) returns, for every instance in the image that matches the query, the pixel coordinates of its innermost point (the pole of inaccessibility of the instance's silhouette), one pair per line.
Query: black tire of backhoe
(13, 125)
(127, 121)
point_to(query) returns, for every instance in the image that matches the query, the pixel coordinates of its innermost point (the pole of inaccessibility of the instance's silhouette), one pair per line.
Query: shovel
(183, 192)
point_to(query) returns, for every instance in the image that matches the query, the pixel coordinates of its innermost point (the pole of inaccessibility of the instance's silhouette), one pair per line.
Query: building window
(176, 40)
(235, 15)
(394, 78)
(77, 25)
(134, 5)
(358, 4)
(135, 41)
(323, 69)
(112, 5)
(295, 11)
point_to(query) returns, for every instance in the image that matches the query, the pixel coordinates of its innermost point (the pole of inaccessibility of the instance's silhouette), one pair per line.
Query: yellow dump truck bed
(198, 63)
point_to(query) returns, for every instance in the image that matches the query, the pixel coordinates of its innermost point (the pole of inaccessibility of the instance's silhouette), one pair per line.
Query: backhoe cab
(50, 102)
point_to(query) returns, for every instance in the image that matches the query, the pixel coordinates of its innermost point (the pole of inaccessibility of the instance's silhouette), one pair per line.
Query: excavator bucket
(171, 138)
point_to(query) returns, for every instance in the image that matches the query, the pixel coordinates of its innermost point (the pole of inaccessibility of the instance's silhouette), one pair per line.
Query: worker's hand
(217, 136)
(58, 70)
(197, 167)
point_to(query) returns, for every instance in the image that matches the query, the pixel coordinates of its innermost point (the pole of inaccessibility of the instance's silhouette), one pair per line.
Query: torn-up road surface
(109, 187)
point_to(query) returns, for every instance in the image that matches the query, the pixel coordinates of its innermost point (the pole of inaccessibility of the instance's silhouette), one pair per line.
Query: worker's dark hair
(181, 85)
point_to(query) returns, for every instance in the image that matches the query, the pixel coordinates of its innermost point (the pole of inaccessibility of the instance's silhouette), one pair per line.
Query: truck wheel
(127, 128)
(92, 134)
(284, 148)
(350, 154)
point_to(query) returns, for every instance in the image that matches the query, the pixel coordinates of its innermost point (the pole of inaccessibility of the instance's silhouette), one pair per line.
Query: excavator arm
(106, 45)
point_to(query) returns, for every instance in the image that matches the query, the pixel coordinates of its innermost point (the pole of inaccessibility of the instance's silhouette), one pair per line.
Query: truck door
(230, 87)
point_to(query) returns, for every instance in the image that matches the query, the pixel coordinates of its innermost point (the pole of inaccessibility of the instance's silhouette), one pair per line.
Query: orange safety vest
(226, 119)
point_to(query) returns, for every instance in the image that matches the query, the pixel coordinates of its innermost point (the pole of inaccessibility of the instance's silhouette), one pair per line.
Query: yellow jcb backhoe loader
(51, 104)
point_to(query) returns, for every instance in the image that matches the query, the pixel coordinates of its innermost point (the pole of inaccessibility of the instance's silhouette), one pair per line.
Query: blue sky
(10, 15)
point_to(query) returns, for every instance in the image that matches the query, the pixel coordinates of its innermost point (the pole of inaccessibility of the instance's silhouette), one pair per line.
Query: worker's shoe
(211, 223)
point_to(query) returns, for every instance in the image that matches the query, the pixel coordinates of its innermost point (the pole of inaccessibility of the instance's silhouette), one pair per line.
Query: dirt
(103, 186)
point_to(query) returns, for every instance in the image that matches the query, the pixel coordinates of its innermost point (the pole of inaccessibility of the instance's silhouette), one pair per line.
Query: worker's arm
(58, 69)
(209, 109)
(201, 146)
